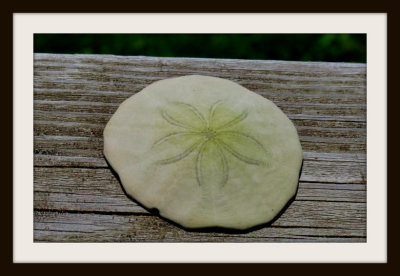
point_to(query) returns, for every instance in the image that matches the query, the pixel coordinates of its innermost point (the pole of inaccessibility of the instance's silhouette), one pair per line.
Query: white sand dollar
(204, 151)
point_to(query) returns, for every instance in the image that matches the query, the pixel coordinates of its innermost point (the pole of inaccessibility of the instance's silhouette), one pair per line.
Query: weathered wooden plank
(298, 88)
(353, 145)
(270, 73)
(92, 147)
(302, 222)
(78, 189)
(50, 128)
(50, 134)
(343, 68)
(341, 157)
(57, 128)
(46, 160)
(149, 68)
(313, 170)
(54, 94)
(287, 107)
(89, 201)
(127, 86)
(281, 75)
(350, 122)
(99, 162)
(84, 112)
(75, 96)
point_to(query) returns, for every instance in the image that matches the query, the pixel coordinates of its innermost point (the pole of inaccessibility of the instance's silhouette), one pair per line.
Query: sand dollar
(204, 151)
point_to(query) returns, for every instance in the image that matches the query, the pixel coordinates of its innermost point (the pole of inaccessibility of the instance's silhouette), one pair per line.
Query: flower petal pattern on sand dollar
(185, 115)
(220, 116)
(232, 122)
(244, 147)
(167, 149)
(211, 165)
(179, 156)
(212, 138)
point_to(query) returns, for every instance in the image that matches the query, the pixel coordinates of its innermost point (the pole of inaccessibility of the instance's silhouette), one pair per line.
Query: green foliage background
(296, 47)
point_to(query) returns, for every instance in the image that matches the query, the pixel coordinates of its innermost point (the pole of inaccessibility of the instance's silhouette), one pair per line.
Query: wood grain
(77, 198)
(82, 189)
(89, 227)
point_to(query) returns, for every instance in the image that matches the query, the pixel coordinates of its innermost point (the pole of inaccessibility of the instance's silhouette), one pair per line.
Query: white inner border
(374, 250)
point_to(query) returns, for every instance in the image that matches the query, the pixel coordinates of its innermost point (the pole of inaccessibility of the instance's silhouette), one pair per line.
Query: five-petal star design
(212, 135)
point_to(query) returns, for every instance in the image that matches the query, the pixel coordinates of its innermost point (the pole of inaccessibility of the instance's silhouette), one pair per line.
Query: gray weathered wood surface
(77, 198)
